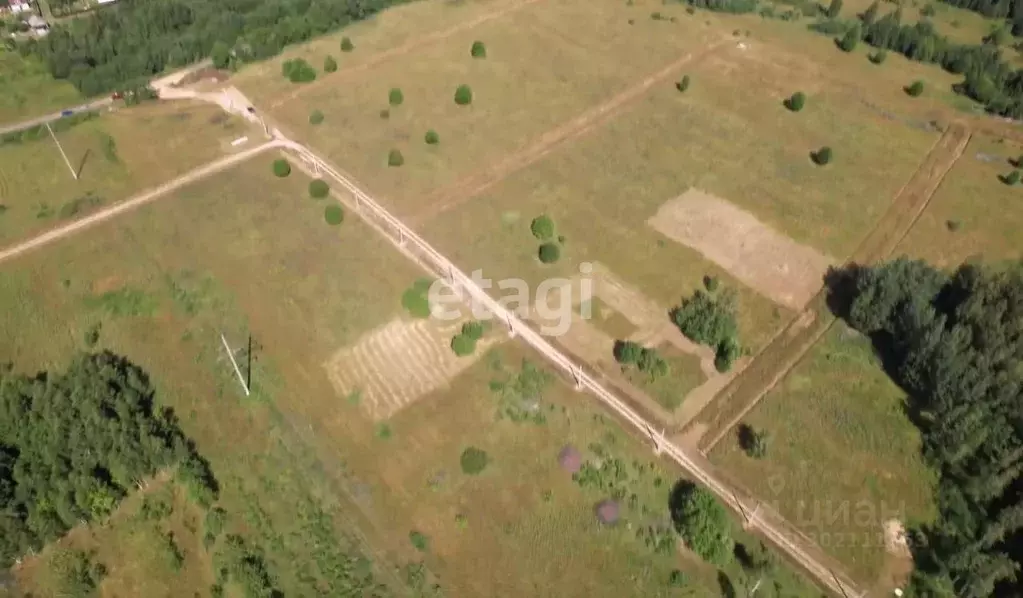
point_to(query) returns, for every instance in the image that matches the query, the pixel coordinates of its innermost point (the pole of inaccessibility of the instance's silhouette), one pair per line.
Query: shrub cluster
(333, 214)
(395, 97)
(549, 252)
(416, 299)
(329, 64)
(753, 441)
(315, 117)
(683, 84)
(318, 189)
(464, 343)
(463, 95)
(542, 227)
(915, 88)
(478, 50)
(822, 156)
(474, 460)
(645, 360)
(298, 70)
(702, 521)
(346, 44)
(394, 158)
(281, 168)
(431, 137)
(711, 321)
(796, 101)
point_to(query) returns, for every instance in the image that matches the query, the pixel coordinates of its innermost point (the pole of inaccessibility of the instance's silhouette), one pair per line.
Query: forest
(954, 342)
(73, 444)
(126, 45)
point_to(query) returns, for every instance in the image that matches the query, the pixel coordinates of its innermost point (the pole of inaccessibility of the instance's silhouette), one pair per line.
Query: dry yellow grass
(117, 155)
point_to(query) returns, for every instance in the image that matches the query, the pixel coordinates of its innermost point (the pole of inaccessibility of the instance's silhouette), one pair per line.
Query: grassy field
(304, 476)
(27, 89)
(117, 155)
(839, 439)
(538, 74)
(973, 213)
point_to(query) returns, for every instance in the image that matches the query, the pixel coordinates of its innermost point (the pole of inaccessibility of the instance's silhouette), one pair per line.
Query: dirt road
(136, 201)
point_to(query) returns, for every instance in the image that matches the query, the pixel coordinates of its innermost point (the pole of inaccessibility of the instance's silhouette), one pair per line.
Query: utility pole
(230, 355)
(63, 155)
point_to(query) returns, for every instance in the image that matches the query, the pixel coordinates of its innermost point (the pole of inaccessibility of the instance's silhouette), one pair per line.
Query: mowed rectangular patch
(767, 261)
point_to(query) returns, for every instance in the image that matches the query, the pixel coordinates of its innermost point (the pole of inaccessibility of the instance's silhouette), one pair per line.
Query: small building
(18, 6)
(105, 1)
(37, 23)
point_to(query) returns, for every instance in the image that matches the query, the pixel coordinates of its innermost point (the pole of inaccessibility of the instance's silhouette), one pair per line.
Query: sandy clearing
(767, 261)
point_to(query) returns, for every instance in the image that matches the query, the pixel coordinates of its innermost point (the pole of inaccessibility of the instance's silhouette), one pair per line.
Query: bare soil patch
(390, 367)
(774, 265)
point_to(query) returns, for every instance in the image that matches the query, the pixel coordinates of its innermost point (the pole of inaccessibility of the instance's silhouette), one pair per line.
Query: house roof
(36, 22)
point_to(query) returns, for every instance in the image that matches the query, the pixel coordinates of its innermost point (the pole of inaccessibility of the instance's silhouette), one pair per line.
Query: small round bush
(796, 101)
(822, 156)
(395, 97)
(463, 345)
(282, 168)
(542, 227)
(394, 158)
(878, 57)
(333, 214)
(463, 95)
(346, 44)
(683, 84)
(915, 88)
(318, 189)
(478, 50)
(549, 253)
(329, 64)
(315, 117)
(419, 540)
(385, 114)
(710, 283)
(474, 460)
(1012, 178)
(431, 137)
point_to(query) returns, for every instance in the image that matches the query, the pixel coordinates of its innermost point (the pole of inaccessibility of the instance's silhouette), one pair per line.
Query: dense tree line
(136, 39)
(955, 344)
(73, 444)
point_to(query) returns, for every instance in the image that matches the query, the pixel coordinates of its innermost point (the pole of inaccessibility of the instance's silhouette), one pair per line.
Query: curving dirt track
(789, 346)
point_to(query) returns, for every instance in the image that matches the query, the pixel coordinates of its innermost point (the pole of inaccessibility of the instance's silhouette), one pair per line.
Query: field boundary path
(793, 342)
(134, 202)
(471, 186)
(800, 549)
(405, 48)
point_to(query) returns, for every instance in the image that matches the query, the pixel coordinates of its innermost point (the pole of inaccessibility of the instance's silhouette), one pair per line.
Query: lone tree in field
(478, 50)
(395, 97)
(431, 137)
(834, 8)
(796, 101)
(394, 158)
(463, 95)
(542, 227)
(915, 88)
(282, 168)
(463, 345)
(474, 460)
(683, 83)
(346, 44)
(329, 64)
(851, 38)
(549, 253)
(333, 215)
(298, 71)
(315, 117)
(821, 156)
(318, 189)
(753, 441)
(702, 521)
(1011, 179)
(878, 57)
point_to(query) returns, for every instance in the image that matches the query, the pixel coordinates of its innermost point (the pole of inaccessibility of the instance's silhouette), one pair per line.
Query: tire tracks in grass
(409, 46)
(445, 199)
(787, 348)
